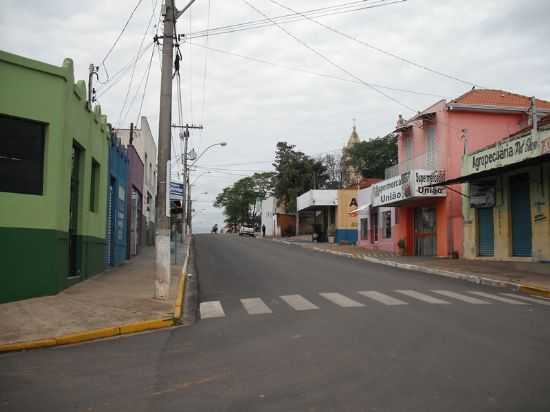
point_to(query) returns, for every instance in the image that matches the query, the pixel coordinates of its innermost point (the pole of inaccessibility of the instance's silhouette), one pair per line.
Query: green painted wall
(33, 228)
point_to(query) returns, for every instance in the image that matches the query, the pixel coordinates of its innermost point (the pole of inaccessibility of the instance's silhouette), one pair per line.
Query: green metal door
(74, 265)
(520, 206)
(486, 231)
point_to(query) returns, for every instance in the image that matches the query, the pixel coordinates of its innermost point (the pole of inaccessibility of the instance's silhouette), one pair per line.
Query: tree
(336, 169)
(373, 156)
(240, 200)
(295, 173)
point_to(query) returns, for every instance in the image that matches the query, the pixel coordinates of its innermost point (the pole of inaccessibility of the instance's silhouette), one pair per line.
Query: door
(486, 231)
(134, 223)
(425, 241)
(74, 264)
(520, 207)
(109, 238)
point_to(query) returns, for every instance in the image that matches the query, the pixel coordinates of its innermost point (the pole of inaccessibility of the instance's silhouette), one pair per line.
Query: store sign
(503, 153)
(176, 191)
(482, 195)
(409, 185)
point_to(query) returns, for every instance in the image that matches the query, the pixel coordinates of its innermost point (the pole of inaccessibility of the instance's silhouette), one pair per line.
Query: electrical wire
(120, 118)
(331, 62)
(306, 71)
(204, 76)
(294, 17)
(118, 38)
(145, 87)
(373, 47)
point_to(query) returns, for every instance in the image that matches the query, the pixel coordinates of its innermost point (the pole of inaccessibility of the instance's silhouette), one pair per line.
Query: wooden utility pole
(162, 235)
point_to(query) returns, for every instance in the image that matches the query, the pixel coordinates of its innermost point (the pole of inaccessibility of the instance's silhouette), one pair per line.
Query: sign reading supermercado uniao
(409, 185)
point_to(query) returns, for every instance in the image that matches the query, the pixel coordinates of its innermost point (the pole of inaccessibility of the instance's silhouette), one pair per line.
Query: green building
(53, 179)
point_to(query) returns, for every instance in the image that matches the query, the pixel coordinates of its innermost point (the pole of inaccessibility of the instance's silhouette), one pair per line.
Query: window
(21, 156)
(386, 220)
(430, 148)
(94, 186)
(408, 147)
(364, 228)
(145, 169)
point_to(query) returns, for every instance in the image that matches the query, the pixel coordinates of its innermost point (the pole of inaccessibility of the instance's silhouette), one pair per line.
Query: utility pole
(162, 235)
(185, 136)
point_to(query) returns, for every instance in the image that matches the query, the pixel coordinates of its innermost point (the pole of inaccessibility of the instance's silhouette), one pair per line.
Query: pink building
(430, 149)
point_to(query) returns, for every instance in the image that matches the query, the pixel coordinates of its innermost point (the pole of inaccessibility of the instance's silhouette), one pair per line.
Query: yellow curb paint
(534, 290)
(33, 344)
(178, 308)
(146, 325)
(87, 335)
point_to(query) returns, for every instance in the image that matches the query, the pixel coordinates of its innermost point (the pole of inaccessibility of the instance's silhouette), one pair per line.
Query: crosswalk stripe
(211, 309)
(298, 302)
(382, 298)
(528, 299)
(341, 300)
(423, 297)
(255, 306)
(460, 296)
(498, 298)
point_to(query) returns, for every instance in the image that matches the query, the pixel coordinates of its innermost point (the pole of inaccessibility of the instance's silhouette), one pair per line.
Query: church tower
(351, 175)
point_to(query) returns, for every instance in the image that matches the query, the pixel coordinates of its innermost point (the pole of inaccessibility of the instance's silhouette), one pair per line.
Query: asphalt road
(305, 339)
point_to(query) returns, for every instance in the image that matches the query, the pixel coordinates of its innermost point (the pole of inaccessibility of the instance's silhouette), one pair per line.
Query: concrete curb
(528, 289)
(89, 335)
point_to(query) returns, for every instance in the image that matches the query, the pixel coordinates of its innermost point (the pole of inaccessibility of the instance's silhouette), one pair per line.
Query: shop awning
(356, 211)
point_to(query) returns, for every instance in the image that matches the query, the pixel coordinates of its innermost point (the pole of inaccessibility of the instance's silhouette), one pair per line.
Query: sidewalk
(522, 276)
(119, 296)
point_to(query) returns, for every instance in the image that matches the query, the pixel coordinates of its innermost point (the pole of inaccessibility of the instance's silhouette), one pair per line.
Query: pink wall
(482, 129)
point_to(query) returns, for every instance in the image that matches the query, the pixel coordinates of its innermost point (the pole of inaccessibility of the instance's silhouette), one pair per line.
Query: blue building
(117, 210)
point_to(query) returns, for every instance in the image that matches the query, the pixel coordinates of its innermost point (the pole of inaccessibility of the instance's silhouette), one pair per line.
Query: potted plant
(332, 233)
(402, 245)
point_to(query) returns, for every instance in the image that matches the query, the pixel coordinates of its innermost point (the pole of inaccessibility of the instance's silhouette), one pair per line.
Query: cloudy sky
(500, 44)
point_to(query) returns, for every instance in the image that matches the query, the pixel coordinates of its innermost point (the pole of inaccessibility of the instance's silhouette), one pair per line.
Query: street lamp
(187, 215)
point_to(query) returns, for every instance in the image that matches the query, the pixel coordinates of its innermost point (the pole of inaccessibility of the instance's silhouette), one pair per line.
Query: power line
(328, 60)
(118, 38)
(204, 75)
(345, 8)
(306, 71)
(120, 118)
(371, 46)
(146, 83)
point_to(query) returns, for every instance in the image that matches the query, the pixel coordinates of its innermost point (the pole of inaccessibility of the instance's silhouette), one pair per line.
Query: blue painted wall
(346, 235)
(118, 216)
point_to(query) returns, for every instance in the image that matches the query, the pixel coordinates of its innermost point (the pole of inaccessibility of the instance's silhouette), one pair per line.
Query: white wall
(317, 198)
(269, 206)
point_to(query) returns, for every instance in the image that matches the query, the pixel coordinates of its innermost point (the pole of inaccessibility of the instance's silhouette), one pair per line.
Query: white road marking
(212, 309)
(423, 297)
(341, 300)
(382, 298)
(298, 302)
(255, 306)
(499, 298)
(460, 296)
(528, 299)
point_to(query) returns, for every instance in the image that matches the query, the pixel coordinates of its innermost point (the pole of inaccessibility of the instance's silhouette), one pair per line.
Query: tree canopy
(295, 173)
(241, 200)
(373, 156)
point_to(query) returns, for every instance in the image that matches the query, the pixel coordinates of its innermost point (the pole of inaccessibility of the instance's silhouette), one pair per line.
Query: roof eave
(491, 108)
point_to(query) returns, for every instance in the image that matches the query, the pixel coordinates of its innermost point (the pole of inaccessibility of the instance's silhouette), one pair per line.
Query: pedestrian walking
(263, 230)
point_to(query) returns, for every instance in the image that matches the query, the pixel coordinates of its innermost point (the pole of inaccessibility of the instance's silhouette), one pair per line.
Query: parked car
(247, 231)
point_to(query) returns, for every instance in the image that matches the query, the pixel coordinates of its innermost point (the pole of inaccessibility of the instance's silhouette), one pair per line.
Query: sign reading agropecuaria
(408, 185)
(503, 153)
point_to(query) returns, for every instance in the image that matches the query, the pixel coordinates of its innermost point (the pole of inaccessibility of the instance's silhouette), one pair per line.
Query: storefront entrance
(520, 206)
(486, 231)
(425, 242)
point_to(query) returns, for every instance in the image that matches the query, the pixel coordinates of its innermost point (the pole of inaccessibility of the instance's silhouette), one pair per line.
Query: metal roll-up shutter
(486, 230)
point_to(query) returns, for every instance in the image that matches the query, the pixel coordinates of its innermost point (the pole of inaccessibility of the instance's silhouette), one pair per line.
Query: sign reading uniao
(409, 185)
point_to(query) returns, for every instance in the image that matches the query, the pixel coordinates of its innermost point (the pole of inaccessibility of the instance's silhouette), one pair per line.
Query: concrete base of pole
(162, 280)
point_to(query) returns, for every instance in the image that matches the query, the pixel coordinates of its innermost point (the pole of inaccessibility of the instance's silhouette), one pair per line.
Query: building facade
(134, 195)
(53, 179)
(117, 208)
(507, 204)
(430, 149)
(146, 148)
(376, 227)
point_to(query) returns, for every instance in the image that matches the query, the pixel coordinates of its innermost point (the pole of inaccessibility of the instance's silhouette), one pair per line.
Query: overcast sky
(499, 44)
